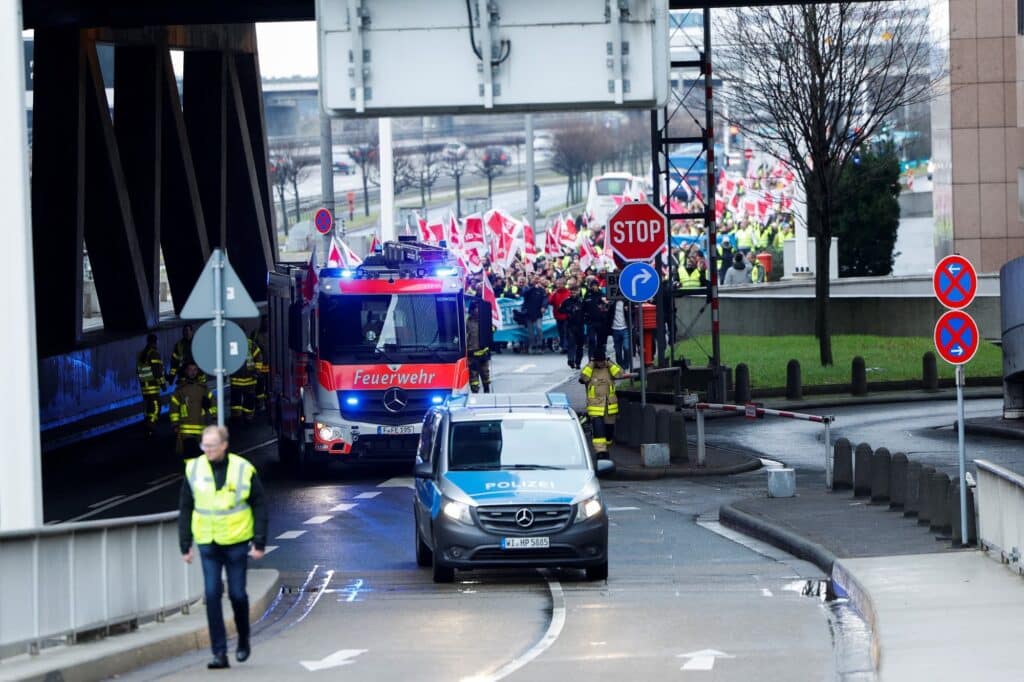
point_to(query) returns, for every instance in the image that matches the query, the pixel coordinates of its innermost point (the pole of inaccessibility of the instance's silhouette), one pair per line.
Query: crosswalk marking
(317, 520)
(290, 535)
(367, 496)
(343, 507)
(398, 482)
(268, 549)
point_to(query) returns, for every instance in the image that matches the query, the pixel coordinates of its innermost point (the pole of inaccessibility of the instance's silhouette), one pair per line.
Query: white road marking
(268, 549)
(571, 375)
(344, 506)
(618, 509)
(367, 496)
(317, 520)
(522, 369)
(290, 535)
(545, 642)
(702, 660)
(106, 501)
(164, 478)
(398, 482)
(338, 658)
(766, 592)
(153, 489)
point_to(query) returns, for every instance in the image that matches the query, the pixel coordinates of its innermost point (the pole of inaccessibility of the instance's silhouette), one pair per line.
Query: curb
(815, 402)
(120, 657)
(845, 584)
(644, 474)
(994, 431)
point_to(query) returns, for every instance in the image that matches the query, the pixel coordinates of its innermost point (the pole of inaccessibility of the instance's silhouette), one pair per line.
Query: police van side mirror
(605, 468)
(423, 470)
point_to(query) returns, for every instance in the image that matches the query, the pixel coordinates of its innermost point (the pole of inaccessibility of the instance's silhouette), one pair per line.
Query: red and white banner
(588, 256)
(452, 233)
(568, 235)
(553, 239)
(530, 241)
(487, 293)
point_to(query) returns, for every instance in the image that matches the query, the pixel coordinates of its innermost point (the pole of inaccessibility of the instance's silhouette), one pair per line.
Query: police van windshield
(514, 444)
(390, 328)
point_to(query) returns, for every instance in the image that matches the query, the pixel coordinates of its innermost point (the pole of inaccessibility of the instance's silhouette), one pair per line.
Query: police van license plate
(390, 430)
(525, 543)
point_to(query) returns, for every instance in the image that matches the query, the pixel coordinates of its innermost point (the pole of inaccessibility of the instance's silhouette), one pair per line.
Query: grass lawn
(886, 358)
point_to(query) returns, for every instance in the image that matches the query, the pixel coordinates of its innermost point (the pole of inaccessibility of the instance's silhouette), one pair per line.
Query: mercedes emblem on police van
(524, 518)
(395, 399)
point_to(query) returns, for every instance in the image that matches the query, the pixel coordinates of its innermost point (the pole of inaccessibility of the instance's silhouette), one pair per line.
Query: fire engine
(357, 360)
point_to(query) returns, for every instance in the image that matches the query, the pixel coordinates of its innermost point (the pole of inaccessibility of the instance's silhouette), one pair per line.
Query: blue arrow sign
(639, 282)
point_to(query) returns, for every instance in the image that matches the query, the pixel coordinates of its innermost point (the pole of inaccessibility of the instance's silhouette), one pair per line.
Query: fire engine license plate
(525, 543)
(389, 430)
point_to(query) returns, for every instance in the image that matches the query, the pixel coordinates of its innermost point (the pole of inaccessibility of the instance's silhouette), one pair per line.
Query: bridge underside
(152, 171)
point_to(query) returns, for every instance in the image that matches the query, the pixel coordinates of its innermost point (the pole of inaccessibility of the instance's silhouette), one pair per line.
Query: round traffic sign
(323, 220)
(637, 231)
(956, 337)
(748, 154)
(204, 347)
(955, 282)
(639, 282)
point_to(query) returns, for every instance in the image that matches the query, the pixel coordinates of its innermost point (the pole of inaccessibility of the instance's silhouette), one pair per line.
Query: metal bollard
(679, 449)
(924, 507)
(862, 470)
(929, 372)
(794, 385)
(701, 454)
(842, 465)
(938, 497)
(881, 466)
(898, 481)
(859, 376)
(741, 390)
(912, 500)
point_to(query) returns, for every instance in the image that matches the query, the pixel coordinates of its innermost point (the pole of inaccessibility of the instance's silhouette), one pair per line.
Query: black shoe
(242, 652)
(218, 662)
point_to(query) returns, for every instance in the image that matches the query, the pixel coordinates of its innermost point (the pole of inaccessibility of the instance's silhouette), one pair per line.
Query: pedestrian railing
(60, 582)
(1000, 503)
(753, 411)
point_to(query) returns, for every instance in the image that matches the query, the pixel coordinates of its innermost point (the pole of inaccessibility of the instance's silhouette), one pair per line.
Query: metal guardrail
(63, 581)
(1000, 502)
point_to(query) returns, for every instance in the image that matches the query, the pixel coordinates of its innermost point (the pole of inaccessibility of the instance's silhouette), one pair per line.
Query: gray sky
(287, 49)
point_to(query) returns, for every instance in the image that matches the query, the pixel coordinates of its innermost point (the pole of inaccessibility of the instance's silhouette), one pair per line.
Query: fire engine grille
(371, 407)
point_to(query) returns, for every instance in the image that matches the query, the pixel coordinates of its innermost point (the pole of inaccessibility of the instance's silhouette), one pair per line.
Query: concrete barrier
(661, 426)
(635, 426)
(678, 447)
(938, 500)
(648, 424)
(781, 482)
(881, 468)
(954, 505)
(859, 376)
(842, 465)
(862, 470)
(741, 392)
(622, 423)
(924, 508)
(898, 481)
(912, 501)
(929, 372)
(794, 385)
(654, 454)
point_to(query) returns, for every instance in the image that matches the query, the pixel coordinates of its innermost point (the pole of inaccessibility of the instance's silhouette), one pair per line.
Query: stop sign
(637, 231)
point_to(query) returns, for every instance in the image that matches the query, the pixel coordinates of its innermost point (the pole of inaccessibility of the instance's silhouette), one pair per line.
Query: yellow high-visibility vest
(222, 516)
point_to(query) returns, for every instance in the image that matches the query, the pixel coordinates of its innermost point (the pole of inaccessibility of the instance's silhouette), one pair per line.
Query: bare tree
(577, 149)
(426, 171)
(279, 182)
(364, 155)
(488, 166)
(294, 171)
(454, 164)
(403, 175)
(811, 84)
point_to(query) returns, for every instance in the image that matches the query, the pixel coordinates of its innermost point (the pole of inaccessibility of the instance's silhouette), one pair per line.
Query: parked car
(343, 167)
(496, 156)
(455, 150)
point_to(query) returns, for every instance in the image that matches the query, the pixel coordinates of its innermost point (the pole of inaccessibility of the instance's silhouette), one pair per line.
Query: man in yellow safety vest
(223, 510)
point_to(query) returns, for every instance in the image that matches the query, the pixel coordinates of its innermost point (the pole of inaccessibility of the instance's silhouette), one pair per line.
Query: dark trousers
(562, 341)
(233, 560)
(597, 337)
(574, 345)
(620, 337)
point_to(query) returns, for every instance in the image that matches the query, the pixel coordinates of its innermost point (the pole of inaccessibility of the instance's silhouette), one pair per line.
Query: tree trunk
(295, 195)
(490, 182)
(284, 209)
(366, 194)
(819, 224)
(458, 196)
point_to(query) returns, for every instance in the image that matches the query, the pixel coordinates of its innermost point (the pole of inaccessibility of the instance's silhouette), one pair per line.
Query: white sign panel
(408, 57)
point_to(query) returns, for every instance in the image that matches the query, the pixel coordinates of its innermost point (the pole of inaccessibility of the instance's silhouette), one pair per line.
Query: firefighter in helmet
(191, 405)
(259, 339)
(479, 355)
(243, 385)
(149, 367)
(599, 376)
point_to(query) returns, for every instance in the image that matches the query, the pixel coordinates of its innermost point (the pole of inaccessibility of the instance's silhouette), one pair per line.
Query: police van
(506, 480)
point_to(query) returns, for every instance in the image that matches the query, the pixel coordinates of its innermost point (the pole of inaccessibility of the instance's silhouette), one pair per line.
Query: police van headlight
(457, 511)
(588, 509)
(326, 432)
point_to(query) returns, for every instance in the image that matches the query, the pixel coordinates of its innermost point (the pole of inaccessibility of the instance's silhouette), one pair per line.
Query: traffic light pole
(717, 390)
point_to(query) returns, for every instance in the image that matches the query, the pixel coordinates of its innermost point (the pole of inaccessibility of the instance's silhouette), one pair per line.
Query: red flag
(487, 293)
(473, 262)
(452, 232)
(473, 236)
(588, 256)
(375, 245)
(422, 224)
(568, 233)
(349, 259)
(434, 233)
(530, 240)
(334, 257)
(762, 208)
(309, 281)
(553, 239)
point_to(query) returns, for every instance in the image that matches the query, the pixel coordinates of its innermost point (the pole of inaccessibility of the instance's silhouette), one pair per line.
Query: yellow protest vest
(221, 516)
(689, 280)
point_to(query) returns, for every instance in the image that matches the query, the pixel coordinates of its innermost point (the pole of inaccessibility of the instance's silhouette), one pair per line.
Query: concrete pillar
(679, 448)
(953, 503)
(635, 426)
(912, 501)
(842, 465)
(938, 499)
(794, 385)
(881, 465)
(387, 181)
(741, 391)
(859, 376)
(21, 497)
(929, 372)
(862, 470)
(648, 424)
(622, 423)
(898, 481)
(924, 506)
(661, 428)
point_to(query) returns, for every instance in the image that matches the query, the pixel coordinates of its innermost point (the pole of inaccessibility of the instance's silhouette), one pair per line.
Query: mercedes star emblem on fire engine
(395, 399)
(524, 518)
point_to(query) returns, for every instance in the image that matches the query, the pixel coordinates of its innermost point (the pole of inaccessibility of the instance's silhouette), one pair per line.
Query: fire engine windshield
(390, 328)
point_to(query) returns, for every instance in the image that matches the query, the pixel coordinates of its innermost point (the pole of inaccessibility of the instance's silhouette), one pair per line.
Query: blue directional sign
(639, 282)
